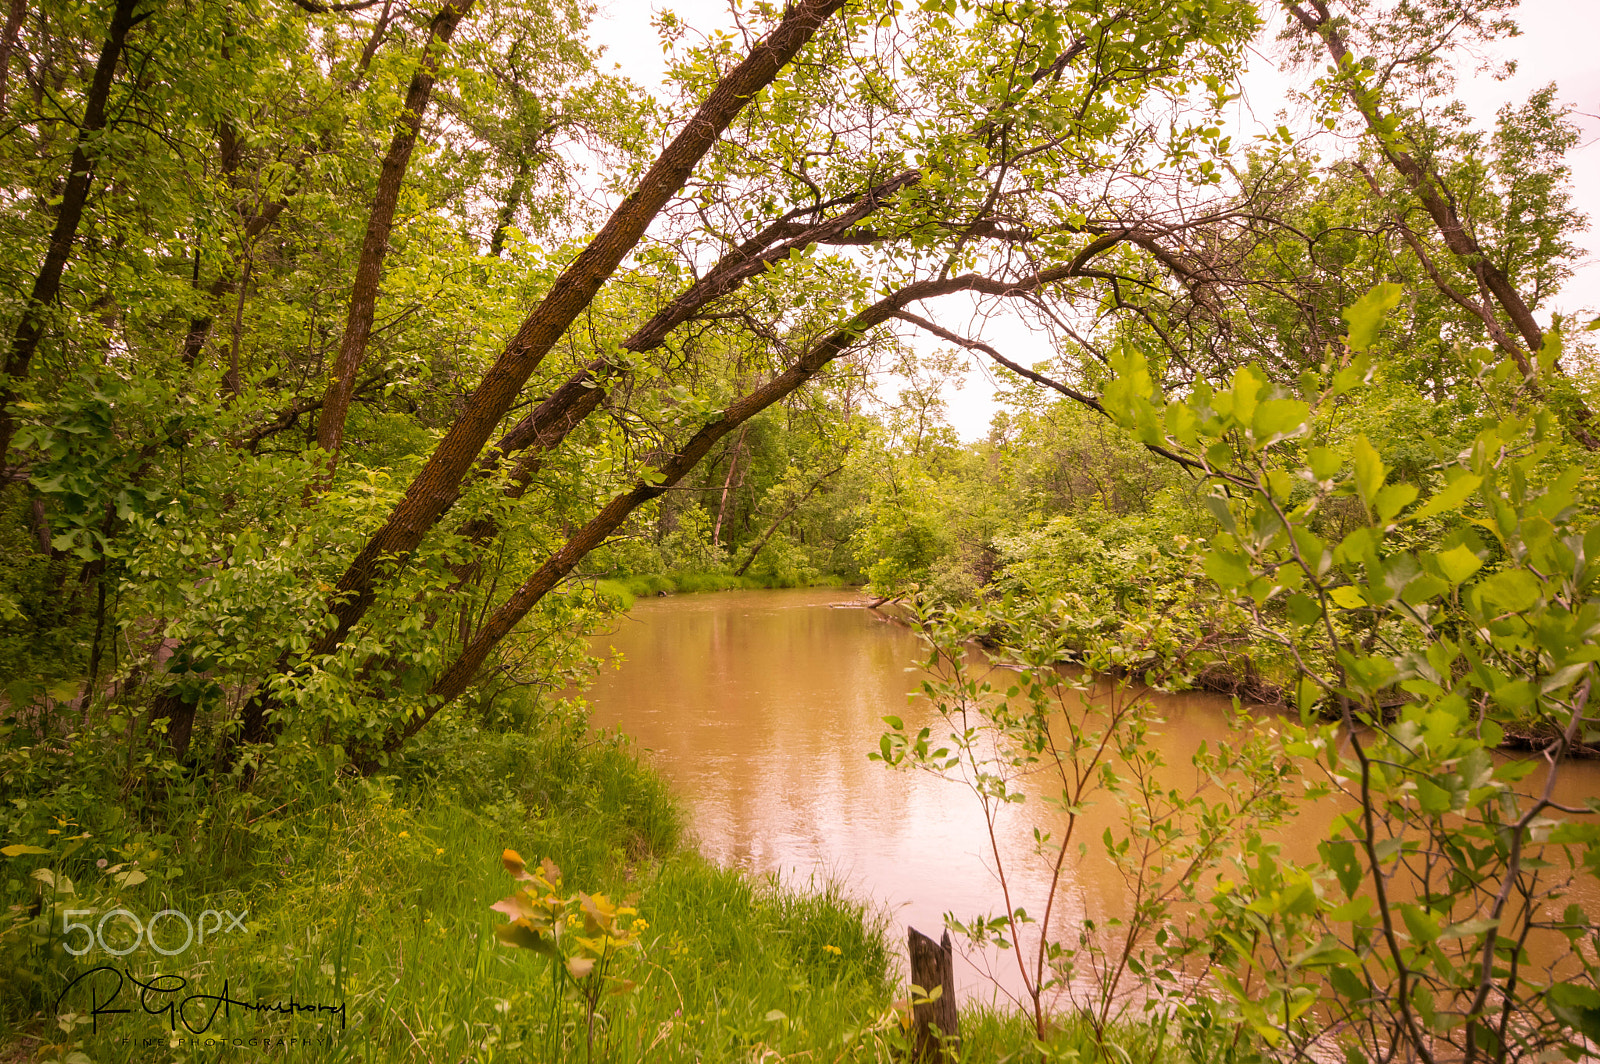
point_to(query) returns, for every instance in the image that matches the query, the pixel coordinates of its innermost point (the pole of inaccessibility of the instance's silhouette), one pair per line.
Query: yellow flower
(835, 950)
(438, 851)
(405, 834)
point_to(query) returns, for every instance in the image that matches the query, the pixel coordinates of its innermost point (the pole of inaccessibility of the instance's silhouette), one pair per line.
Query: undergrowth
(621, 591)
(372, 896)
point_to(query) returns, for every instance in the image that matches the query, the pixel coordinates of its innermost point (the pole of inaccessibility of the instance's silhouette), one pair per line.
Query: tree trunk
(461, 672)
(1440, 206)
(727, 485)
(380, 223)
(8, 44)
(935, 1030)
(508, 209)
(762, 542)
(74, 197)
(436, 487)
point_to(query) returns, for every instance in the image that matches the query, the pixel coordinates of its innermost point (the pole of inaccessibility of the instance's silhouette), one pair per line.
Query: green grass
(376, 893)
(623, 590)
(378, 897)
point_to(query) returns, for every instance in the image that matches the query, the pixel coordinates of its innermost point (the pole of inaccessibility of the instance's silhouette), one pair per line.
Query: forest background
(363, 359)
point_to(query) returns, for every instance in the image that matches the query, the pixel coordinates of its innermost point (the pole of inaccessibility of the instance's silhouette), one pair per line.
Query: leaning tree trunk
(1441, 207)
(74, 197)
(436, 487)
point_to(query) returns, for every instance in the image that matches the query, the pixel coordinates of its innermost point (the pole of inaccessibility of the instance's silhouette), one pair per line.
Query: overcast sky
(1559, 43)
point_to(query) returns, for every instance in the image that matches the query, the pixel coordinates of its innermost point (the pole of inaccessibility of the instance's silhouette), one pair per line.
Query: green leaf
(1424, 927)
(1578, 1005)
(1183, 425)
(1247, 386)
(1279, 419)
(1513, 590)
(1367, 313)
(1303, 609)
(1423, 587)
(1432, 798)
(1341, 856)
(1355, 373)
(1324, 462)
(1458, 563)
(19, 849)
(1348, 597)
(1370, 470)
(1228, 569)
(1449, 499)
(1394, 498)
(1347, 984)
(1219, 510)
(131, 878)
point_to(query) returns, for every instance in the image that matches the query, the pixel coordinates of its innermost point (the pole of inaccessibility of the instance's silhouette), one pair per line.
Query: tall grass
(377, 898)
(374, 894)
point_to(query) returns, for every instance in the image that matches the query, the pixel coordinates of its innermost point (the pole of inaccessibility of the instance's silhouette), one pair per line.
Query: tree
(939, 151)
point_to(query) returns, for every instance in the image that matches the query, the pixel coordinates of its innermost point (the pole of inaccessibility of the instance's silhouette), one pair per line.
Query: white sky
(1559, 43)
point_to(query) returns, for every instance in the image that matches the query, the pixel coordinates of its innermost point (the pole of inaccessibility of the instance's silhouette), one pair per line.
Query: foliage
(1425, 608)
(1478, 604)
(375, 894)
(1068, 742)
(224, 588)
(583, 935)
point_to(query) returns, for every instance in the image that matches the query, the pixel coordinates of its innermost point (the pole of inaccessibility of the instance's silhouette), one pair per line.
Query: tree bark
(727, 485)
(936, 1032)
(436, 487)
(74, 197)
(8, 44)
(380, 224)
(581, 394)
(671, 469)
(508, 208)
(1441, 208)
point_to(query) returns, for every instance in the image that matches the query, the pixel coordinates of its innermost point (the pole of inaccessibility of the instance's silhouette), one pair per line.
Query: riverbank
(375, 898)
(1219, 663)
(623, 591)
(369, 900)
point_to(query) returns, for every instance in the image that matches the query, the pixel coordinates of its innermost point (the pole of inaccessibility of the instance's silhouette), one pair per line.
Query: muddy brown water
(760, 708)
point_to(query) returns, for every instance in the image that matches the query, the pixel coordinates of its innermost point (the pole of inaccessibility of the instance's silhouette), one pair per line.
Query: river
(760, 708)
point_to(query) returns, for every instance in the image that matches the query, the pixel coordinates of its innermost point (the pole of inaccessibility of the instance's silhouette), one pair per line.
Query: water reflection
(760, 708)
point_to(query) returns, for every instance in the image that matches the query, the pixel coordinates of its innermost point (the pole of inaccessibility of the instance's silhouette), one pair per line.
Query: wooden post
(933, 969)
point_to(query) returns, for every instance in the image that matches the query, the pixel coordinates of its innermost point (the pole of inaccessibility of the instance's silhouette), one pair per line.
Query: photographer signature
(159, 996)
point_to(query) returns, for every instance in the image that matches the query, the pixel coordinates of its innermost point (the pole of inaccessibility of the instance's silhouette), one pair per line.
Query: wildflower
(101, 863)
(835, 950)
(438, 851)
(405, 834)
